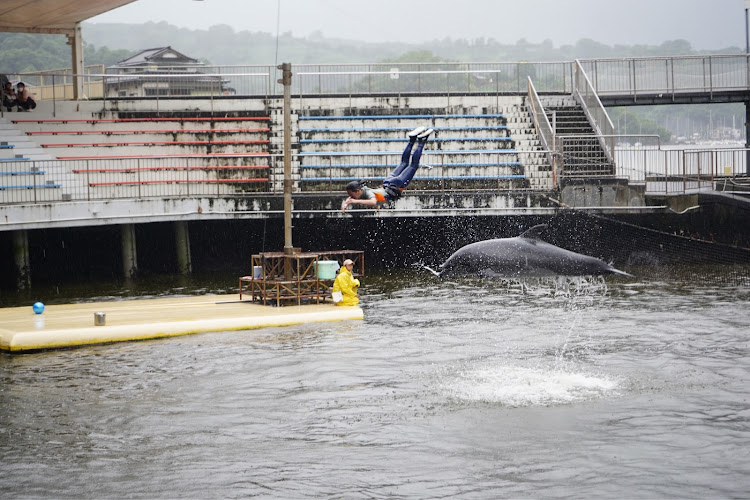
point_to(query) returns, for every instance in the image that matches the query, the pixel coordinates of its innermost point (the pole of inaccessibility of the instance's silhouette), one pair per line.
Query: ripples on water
(563, 388)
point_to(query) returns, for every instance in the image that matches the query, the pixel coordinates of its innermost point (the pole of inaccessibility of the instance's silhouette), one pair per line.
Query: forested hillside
(109, 43)
(222, 45)
(27, 53)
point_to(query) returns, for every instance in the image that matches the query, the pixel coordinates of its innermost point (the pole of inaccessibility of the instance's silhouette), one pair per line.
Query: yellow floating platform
(72, 325)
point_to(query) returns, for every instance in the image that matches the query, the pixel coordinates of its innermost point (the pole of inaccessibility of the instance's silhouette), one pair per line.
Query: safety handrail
(543, 128)
(666, 75)
(587, 97)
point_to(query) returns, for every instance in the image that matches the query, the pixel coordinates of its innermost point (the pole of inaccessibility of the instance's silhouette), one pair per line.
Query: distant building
(162, 72)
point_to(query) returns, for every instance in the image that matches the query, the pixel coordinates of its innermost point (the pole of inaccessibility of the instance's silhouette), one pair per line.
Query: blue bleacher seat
(396, 117)
(400, 129)
(381, 139)
(24, 172)
(426, 152)
(425, 178)
(29, 186)
(446, 165)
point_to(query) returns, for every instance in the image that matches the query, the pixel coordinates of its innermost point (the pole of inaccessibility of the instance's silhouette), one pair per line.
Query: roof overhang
(51, 16)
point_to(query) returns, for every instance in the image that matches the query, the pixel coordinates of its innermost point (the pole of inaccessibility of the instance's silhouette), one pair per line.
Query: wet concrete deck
(71, 325)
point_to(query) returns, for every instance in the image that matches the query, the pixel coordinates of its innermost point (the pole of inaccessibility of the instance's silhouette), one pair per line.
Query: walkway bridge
(511, 139)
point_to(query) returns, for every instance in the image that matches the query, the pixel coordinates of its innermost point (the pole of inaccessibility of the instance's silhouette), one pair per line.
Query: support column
(23, 262)
(286, 80)
(289, 249)
(129, 254)
(75, 40)
(182, 238)
(747, 138)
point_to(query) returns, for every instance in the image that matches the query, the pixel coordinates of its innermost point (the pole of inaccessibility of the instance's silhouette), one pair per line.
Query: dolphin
(523, 256)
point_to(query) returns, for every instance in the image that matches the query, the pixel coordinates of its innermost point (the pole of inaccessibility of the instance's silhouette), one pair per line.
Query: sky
(706, 24)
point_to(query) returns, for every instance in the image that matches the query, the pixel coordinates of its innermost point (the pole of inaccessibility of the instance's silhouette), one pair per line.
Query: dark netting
(665, 249)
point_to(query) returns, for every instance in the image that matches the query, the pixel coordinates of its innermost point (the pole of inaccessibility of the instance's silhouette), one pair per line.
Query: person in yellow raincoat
(347, 285)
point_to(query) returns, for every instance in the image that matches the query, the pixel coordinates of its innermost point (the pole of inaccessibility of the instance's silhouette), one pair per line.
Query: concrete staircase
(537, 168)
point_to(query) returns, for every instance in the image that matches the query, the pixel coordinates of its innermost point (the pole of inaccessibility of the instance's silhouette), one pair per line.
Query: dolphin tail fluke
(436, 273)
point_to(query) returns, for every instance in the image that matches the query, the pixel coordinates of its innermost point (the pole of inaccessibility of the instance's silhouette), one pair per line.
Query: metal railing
(45, 181)
(695, 170)
(543, 128)
(581, 156)
(678, 171)
(438, 171)
(208, 81)
(428, 78)
(669, 75)
(624, 76)
(637, 157)
(596, 113)
(644, 162)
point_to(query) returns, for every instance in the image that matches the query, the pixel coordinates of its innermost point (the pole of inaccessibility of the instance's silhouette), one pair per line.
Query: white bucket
(326, 269)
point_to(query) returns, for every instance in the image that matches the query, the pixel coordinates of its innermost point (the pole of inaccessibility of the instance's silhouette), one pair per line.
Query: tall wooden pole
(286, 80)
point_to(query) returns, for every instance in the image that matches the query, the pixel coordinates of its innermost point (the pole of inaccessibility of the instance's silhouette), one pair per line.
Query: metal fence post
(54, 101)
(442, 172)
(596, 76)
(34, 176)
(684, 172)
(497, 91)
(672, 73)
(138, 170)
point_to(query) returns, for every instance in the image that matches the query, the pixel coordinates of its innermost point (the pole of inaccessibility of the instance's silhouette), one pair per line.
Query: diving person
(396, 182)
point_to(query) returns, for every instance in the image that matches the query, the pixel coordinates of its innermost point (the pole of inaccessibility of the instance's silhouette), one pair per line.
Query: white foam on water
(519, 386)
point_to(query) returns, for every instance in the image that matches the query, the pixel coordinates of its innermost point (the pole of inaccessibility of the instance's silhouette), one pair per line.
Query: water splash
(565, 286)
(516, 386)
(555, 286)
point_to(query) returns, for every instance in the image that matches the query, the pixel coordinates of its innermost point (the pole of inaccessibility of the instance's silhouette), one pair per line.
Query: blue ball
(38, 307)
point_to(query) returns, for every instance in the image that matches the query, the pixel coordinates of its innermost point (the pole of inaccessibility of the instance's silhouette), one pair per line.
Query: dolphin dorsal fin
(533, 232)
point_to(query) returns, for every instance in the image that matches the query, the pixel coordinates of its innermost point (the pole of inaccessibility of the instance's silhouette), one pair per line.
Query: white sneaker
(424, 135)
(415, 133)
